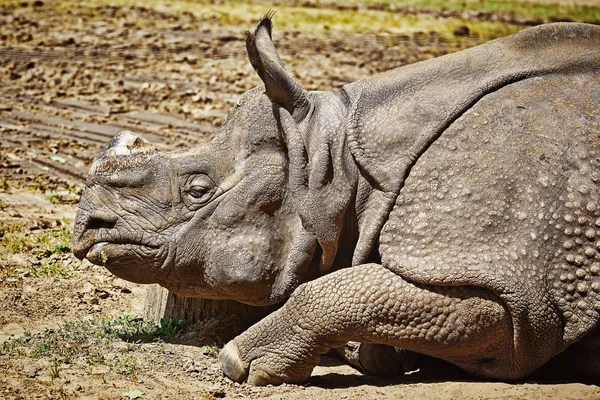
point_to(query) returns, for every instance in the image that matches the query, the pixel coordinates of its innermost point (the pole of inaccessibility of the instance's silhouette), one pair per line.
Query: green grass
(110, 345)
(40, 244)
(89, 340)
(293, 18)
(101, 344)
(17, 238)
(525, 9)
(379, 15)
(132, 329)
(127, 366)
(589, 13)
(49, 270)
(54, 370)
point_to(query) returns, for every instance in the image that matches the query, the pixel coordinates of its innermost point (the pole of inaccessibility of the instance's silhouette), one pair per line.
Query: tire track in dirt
(77, 141)
(80, 84)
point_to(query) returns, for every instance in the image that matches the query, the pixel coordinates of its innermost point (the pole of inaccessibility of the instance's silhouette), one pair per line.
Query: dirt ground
(70, 80)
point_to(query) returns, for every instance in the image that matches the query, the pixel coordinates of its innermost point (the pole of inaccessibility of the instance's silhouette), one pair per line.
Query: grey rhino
(449, 207)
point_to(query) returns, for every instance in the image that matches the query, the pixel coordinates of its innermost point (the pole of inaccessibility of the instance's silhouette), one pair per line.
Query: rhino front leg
(466, 326)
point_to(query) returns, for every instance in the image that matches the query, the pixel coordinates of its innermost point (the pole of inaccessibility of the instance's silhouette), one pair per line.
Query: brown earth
(69, 81)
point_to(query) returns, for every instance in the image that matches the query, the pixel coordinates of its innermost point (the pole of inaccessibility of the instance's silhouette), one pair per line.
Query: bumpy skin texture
(465, 324)
(449, 208)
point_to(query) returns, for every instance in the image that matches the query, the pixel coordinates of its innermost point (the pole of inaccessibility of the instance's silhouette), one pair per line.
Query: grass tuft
(66, 341)
(102, 341)
(46, 244)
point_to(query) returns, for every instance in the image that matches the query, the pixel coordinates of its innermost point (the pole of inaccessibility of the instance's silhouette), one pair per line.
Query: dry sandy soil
(70, 80)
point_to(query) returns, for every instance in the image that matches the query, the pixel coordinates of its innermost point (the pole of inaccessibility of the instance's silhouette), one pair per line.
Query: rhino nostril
(99, 223)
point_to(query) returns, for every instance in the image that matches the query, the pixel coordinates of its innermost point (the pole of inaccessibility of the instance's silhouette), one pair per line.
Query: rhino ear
(279, 84)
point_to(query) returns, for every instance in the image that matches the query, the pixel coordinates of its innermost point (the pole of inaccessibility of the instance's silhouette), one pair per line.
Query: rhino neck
(323, 178)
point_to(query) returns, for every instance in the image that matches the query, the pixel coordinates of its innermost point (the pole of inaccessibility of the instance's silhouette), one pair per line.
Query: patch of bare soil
(69, 81)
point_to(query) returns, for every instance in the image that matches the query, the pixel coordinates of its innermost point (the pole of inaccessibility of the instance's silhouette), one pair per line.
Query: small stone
(30, 371)
(462, 30)
(192, 367)
(87, 288)
(216, 392)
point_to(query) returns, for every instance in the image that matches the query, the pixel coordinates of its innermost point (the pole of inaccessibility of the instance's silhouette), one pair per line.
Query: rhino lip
(97, 253)
(103, 253)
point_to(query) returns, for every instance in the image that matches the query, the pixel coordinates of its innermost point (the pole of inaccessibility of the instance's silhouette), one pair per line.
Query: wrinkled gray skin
(450, 208)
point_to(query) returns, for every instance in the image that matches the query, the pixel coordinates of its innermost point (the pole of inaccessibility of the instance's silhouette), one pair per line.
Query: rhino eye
(200, 189)
(198, 192)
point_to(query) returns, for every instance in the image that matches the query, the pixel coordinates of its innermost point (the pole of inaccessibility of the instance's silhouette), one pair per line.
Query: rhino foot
(284, 347)
(237, 370)
(269, 369)
(232, 365)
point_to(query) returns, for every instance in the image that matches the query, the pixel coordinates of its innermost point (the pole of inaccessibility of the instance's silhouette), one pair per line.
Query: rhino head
(260, 208)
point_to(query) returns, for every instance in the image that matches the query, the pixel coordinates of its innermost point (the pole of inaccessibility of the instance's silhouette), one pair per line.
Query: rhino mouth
(123, 260)
(111, 253)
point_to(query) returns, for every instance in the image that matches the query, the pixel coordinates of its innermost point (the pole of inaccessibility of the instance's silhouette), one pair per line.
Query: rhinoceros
(450, 208)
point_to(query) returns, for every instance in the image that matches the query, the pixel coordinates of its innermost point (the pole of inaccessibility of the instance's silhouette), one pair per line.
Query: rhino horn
(280, 87)
(126, 143)
(122, 151)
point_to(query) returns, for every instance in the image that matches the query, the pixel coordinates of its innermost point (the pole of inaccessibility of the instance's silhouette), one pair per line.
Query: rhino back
(508, 199)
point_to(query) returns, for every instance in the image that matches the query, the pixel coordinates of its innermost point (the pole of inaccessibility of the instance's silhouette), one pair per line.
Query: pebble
(103, 294)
